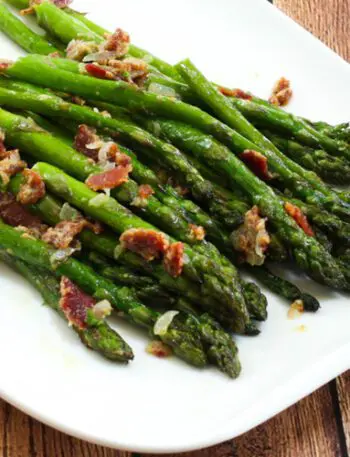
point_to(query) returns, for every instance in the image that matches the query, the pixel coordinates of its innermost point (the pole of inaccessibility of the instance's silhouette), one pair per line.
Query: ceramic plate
(163, 405)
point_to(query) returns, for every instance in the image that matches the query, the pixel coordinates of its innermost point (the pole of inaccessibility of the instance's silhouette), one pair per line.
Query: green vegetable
(98, 335)
(181, 334)
(15, 29)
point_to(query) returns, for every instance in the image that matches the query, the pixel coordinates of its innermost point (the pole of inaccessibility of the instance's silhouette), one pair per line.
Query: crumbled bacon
(75, 303)
(78, 49)
(149, 244)
(33, 188)
(98, 71)
(145, 191)
(174, 259)
(78, 100)
(237, 93)
(55, 54)
(5, 64)
(299, 217)
(159, 349)
(118, 42)
(252, 238)
(129, 70)
(281, 93)
(257, 163)
(87, 142)
(197, 232)
(63, 234)
(109, 179)
(10, 165)
(122, 159)
(14, 214)
(3, 151)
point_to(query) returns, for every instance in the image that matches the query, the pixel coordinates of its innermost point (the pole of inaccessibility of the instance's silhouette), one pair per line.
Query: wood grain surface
(318, 426)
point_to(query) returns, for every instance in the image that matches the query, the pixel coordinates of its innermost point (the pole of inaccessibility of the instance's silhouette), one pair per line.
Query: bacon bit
(237, 93)
(257, 163)
(197, 232)
(3, 152)
(281, 93)
(296, 309)
(252, 237)
(299, 217)
(129, 70)
(145, 191)
(159, 349)
(62, 235)
(75, 303)
(78, 100)
(32, 190)
(5, 64)
(174, 259)
(87, 142)
(98, 72)
(14, 214)
(149, 244)
(11, 165)
(109, 179)
(118, 42)
(122, 159)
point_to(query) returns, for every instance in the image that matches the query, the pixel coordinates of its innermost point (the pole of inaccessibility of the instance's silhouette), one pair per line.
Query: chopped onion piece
(102, 309)
(99, 200)
(68, 213)
(162, 324)
(60, 256)
(159, 89)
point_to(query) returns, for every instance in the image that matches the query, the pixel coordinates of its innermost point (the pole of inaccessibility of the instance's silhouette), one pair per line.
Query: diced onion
(159, 89)
(162, 324)
(68, 213)
(102, 309)
(60, 256)
(99, 200)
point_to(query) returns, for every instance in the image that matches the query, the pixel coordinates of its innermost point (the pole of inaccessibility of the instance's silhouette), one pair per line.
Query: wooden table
(318, 426)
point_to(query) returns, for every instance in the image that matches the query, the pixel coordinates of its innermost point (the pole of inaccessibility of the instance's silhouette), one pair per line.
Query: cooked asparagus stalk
(97, 334)
(15, 29)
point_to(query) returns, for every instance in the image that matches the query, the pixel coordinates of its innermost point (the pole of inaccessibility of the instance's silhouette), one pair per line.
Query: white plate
(166, 406)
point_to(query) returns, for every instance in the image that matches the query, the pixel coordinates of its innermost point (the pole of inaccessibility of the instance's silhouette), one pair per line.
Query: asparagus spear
(288, 290)
(303, 182)
(332, 169)
(274, 118)
(23, 35)
(181, 334)
(98, 335)
(219, 346)
(335, 228)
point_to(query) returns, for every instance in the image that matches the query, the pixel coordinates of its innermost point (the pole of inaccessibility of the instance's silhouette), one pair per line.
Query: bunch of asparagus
(178, 127)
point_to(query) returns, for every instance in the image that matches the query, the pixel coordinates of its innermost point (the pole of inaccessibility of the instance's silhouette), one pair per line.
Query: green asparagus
(182, 334)
(97, 336)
